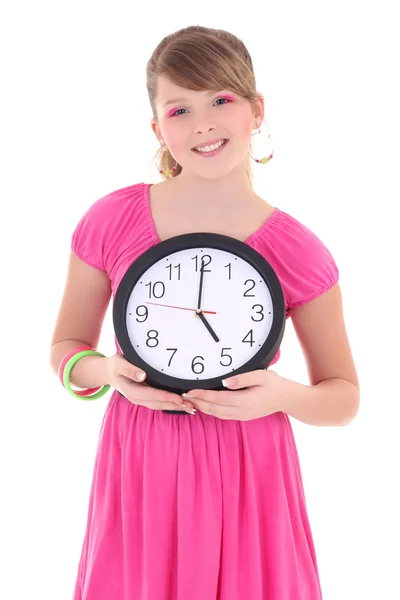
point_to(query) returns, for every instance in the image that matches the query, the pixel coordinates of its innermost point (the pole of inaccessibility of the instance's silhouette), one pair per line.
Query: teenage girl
(206, 504)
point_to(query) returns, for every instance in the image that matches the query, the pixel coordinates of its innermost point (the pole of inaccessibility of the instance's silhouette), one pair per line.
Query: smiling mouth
(208, 148)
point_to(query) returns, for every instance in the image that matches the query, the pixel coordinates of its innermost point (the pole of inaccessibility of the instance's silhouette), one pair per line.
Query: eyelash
(227, 101)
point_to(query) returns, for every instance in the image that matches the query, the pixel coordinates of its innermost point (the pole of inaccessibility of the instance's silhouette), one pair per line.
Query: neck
(234, 190)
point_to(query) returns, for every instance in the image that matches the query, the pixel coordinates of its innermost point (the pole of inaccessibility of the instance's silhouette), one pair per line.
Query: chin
(216, 173)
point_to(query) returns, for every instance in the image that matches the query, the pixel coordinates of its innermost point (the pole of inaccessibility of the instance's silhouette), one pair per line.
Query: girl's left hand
(260, 393)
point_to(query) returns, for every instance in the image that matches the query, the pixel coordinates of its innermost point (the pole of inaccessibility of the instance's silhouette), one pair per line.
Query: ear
(156, 129)
(259, 111)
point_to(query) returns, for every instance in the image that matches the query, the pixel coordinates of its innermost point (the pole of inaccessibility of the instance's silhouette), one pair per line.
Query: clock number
(152, 289)
(228, 355)
(251, 340)
(230, 269)
(173, 354)
(203, 260)
(197, 363)
(170, 267)
(152, 337)
(259, 312)
(146, 313)
(254, 284)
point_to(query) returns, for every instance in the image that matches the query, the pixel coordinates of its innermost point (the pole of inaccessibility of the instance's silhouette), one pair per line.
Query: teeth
(210, 148)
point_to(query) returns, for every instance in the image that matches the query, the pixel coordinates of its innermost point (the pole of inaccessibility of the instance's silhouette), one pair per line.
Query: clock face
(157, 303)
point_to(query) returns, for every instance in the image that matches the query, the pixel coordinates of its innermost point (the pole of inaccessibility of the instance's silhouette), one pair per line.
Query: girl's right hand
(123, 376)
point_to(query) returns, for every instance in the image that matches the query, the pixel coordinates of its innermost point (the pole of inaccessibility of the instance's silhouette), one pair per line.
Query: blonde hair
(200, 58)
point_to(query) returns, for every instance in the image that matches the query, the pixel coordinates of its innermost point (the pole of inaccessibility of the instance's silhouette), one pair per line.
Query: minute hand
(200, 286)
(199, 312)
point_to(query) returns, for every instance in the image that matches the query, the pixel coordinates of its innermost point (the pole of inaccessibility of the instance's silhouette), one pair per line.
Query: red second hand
(207, 312)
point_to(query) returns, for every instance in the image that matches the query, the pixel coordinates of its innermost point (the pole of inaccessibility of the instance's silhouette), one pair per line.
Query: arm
(84, 304)
(330, 402)
(333, 398)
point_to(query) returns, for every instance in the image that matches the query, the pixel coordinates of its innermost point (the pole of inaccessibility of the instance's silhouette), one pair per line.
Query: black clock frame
(183, 242)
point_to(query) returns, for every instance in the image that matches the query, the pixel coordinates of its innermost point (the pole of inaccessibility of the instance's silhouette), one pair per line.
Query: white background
(75, 125)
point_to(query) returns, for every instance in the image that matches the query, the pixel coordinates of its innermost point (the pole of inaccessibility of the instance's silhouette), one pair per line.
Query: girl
(207, 505)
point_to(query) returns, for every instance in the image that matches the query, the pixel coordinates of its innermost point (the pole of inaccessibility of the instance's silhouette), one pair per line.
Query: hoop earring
(265, 159)
(167, 172)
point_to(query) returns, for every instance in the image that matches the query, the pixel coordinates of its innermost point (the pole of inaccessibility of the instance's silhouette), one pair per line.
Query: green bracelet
(67, 371)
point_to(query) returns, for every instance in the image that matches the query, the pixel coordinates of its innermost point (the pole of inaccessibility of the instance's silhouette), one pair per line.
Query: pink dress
(192, 507)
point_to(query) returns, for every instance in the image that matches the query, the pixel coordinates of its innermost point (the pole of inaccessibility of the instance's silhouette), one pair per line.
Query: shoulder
(294, 233)
(302, 261)
(104, 223)
(297, 241)
(114, 202)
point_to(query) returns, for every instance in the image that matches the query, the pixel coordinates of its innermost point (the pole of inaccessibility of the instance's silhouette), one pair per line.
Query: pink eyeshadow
(171, 112)
(227, 96)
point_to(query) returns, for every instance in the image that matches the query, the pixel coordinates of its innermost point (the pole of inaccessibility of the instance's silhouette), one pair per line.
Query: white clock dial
(165, 331)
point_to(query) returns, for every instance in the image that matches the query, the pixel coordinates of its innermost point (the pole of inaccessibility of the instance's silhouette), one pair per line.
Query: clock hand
(200, 285)
(199, 314)
(209, 312)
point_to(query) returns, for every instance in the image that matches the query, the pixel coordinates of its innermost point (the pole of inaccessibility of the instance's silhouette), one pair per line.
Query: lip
(209, 143)
(212, 153)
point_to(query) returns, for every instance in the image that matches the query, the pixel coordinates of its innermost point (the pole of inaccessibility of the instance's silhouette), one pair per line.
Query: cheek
(244, 133)
(242, 124)
(174, 136)
(248, 129)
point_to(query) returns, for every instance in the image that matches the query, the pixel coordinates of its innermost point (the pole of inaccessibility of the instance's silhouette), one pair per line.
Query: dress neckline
(274, 216)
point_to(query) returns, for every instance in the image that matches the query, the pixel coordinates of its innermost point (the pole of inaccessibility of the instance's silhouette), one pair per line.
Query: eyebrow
(176, 100)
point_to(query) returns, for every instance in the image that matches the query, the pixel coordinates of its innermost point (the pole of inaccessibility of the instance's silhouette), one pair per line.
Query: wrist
(89, 372)
(293, 394)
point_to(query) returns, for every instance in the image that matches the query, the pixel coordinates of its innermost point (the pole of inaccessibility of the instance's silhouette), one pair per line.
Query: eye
(177, 112)
(225, 99)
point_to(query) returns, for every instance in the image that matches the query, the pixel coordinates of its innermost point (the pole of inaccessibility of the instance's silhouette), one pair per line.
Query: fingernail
(140, 375)
(190, 411)
(187, 396)
(229, 381)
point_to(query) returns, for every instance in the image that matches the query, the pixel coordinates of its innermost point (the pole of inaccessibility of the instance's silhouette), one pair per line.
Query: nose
(204, 126)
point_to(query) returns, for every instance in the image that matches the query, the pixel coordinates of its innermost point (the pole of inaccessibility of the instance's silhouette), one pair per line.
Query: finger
(171, 406)
(132, 372)
(156, 395)
(220, 411)
(161, 398)
(156, 405)
(245, 380)
(225, 398)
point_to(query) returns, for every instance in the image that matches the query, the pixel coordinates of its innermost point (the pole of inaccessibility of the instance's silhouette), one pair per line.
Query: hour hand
(206, 323)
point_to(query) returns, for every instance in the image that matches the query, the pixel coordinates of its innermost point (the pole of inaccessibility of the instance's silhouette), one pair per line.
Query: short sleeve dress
(192, 507)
